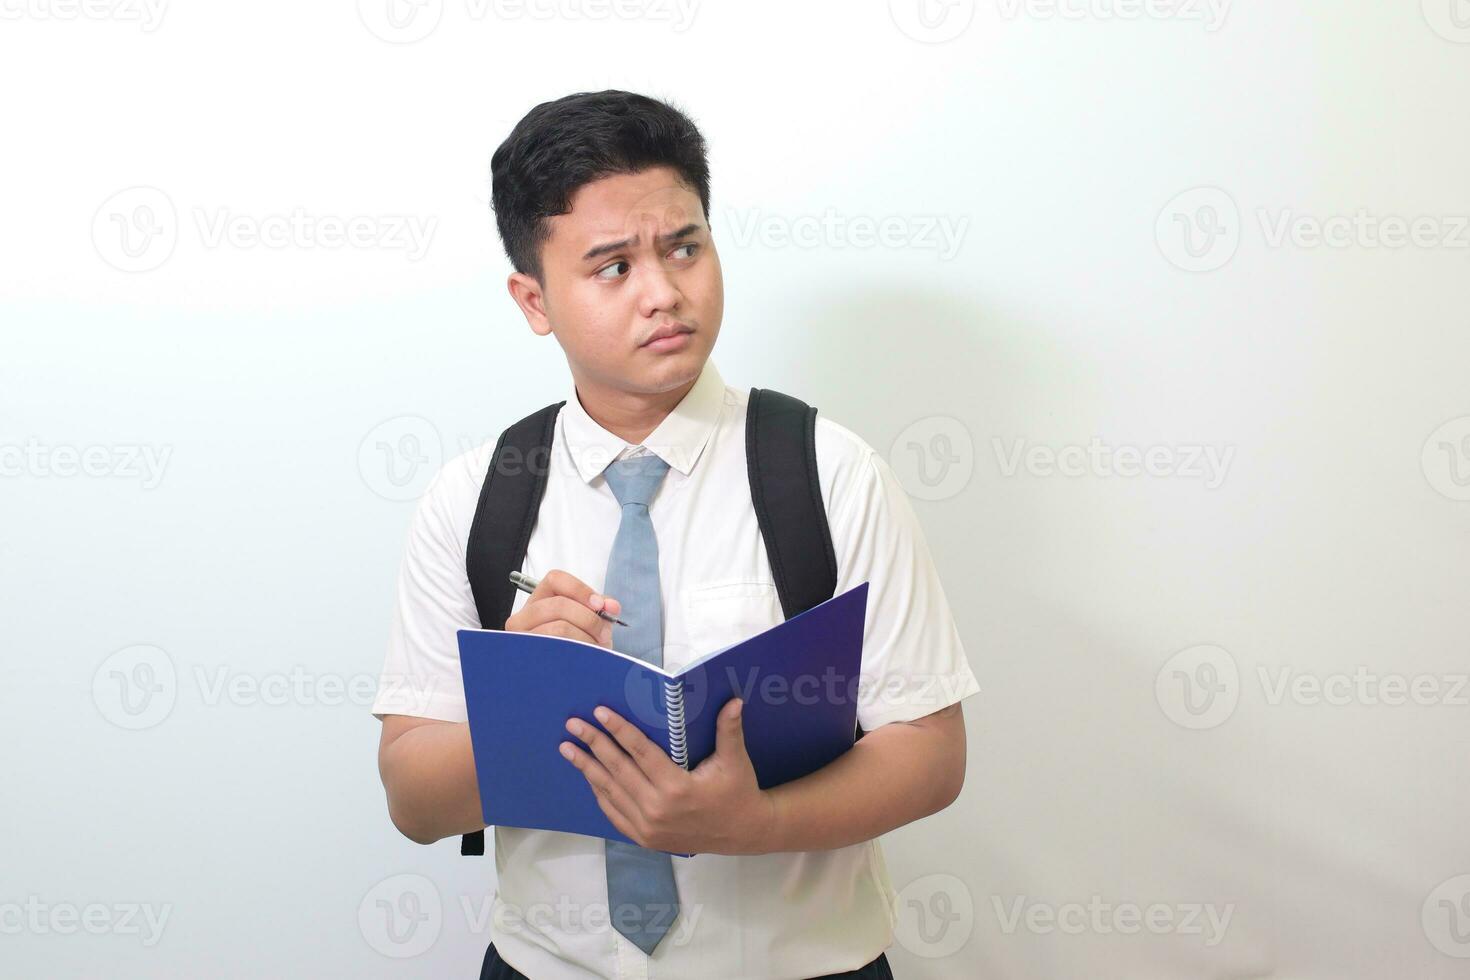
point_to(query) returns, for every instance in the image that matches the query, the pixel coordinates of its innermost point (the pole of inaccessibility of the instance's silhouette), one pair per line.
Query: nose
(658, 292)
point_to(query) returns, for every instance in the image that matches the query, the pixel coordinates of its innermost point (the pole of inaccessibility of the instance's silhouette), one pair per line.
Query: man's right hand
(564, 605)
(428, 766)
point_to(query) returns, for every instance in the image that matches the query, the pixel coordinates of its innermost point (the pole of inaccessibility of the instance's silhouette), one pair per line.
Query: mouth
(674, 336)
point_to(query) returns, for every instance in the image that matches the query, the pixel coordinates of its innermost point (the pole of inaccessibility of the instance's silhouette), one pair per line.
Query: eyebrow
(603, 249)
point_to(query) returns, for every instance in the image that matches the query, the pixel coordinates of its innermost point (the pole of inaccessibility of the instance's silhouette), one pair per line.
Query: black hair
(559, 146)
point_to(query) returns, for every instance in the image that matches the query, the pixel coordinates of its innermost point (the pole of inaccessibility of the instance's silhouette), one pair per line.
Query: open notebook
(799, 680)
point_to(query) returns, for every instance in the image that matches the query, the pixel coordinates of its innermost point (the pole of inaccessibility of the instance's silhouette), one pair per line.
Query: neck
(630, 415)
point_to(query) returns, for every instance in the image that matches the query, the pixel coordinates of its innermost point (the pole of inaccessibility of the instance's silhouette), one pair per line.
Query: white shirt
(770, 916)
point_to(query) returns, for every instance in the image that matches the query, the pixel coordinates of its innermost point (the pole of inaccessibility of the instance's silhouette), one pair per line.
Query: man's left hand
(718, 808)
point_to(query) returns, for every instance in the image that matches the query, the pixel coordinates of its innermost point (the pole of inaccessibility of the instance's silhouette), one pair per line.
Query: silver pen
(528, 584)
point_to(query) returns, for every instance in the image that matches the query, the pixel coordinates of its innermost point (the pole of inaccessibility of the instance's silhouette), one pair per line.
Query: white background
(185, 729)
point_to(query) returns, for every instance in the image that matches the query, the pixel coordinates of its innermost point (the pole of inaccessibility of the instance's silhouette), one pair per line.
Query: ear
(531, 298)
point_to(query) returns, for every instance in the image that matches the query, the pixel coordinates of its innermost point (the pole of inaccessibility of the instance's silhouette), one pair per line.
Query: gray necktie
(640, 882)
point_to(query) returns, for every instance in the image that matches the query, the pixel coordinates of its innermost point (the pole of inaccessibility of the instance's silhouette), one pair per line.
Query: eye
(600, 272)
(687, 245)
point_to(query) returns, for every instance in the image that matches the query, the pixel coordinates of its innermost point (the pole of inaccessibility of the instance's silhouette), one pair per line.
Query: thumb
(730, 732)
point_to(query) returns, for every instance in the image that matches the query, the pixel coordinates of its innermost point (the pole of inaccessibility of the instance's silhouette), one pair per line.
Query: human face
(632, 256)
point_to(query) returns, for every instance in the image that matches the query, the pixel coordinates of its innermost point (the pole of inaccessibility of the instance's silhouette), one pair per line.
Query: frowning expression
(633, 259)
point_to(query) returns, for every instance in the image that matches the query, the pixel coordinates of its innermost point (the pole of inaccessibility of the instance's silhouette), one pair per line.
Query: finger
(730, 730)
(581, 617)
(540, 608)
(559, 582)
(623, 769)
(564, 629)
(652, 762)
(602, 783)
(589, 627)
(618, 818)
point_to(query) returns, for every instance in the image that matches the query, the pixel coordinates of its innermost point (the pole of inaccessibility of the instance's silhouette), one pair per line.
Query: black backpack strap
(786, 491)
(781, 460)
(504, 518)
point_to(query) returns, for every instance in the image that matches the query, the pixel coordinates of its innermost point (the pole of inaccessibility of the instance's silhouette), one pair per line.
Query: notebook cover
(799, 679)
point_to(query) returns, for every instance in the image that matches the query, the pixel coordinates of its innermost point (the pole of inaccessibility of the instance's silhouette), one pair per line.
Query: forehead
(622, 205)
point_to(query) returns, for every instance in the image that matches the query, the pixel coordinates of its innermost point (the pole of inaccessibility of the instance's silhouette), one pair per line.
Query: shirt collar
(678, 440)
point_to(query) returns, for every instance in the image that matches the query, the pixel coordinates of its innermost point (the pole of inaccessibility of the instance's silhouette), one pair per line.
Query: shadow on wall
(928, 378)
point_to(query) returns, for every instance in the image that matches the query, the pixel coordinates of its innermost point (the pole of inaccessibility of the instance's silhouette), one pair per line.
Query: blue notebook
(799, 680)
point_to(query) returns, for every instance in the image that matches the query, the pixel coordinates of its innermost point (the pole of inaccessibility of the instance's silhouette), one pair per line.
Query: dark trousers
(496, 968)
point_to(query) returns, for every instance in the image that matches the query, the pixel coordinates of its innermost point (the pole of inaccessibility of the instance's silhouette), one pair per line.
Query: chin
(677, 368)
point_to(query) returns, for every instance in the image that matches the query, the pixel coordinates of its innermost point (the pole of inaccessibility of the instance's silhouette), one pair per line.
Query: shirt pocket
(721, 613)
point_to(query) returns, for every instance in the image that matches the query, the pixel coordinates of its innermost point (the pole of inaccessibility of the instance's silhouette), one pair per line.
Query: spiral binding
(674, 701)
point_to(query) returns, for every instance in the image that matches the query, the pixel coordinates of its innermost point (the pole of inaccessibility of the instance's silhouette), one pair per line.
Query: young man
(602, 202)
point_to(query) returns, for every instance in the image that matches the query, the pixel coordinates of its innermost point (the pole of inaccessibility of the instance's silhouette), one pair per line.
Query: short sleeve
(913, 661)
(432, 601)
